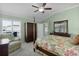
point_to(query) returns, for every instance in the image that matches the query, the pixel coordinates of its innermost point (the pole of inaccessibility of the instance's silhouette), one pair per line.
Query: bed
(57, 43)
(57, 46)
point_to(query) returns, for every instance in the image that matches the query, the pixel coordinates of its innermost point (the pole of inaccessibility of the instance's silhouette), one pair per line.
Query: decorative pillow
(71, 52)
(45, 45)
(76, 40)
(9, 36)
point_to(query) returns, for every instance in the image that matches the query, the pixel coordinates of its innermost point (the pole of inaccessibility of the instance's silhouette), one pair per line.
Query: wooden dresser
(4, 47)
(4, 50)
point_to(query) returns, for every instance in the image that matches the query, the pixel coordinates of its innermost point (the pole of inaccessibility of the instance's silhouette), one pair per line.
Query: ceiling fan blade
(43, 4)
(48, 8)
(35, 10)
(35, 6)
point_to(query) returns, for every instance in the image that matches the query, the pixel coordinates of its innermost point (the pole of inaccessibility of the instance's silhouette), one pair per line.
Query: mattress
(58, 45)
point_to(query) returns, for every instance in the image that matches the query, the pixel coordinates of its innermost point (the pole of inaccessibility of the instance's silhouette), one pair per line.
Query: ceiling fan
(42, 8)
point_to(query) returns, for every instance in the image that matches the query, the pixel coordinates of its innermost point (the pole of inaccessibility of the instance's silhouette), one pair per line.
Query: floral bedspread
(58, 45)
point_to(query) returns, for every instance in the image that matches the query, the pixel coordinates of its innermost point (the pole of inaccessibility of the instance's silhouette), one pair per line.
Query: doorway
(30, 32)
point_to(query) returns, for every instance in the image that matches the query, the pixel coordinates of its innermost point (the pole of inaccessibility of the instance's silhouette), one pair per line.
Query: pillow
(9, 36)
(76, 40)
(17, 38)
(71, 52)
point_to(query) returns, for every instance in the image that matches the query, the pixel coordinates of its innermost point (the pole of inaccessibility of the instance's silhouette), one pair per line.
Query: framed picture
(61, 26)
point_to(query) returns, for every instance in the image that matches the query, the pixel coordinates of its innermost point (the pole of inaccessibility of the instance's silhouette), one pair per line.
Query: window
(45, 29)
(16, 27)
(6, 26)
(10, 26)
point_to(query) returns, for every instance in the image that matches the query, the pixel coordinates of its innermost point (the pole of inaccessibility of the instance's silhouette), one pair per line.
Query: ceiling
(25, 10)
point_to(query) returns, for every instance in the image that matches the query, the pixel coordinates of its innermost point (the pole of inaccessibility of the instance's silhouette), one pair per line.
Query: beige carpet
(25, 50)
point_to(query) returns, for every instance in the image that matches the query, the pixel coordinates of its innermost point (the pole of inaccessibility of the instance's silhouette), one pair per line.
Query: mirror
(61, 26)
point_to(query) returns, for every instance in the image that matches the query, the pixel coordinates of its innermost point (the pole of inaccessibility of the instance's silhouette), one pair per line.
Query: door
(31, 32)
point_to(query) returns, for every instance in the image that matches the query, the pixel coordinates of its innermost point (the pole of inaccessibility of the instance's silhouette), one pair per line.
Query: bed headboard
(61, 28)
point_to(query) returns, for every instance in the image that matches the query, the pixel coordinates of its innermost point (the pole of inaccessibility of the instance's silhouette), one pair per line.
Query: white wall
(0, 25)
(22, 31)
(40, 31)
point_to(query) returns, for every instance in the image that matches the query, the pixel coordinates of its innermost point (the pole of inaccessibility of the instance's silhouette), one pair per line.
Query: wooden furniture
(61, 28)
(60, 34)
(4, 48)
(45, 51)
(30, 32)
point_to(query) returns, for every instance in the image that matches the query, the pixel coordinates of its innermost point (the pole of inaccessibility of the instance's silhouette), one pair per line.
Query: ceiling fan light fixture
(41, 9)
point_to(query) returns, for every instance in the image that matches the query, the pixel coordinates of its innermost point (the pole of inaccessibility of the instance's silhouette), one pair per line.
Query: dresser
(4, 47)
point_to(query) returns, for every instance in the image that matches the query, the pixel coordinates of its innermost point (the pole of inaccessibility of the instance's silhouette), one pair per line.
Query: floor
(25, 50)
